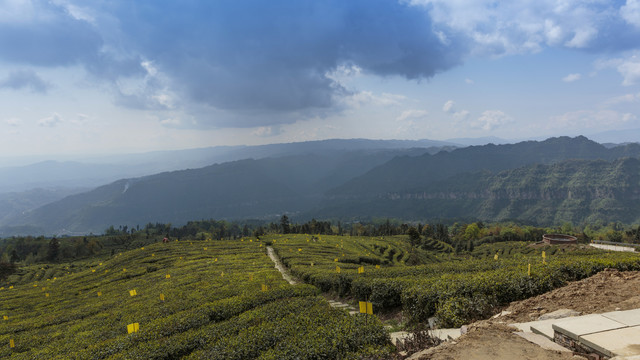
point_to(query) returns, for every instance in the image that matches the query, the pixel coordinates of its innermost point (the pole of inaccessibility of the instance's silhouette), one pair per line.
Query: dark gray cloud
(46, 35)
(22, 79)
(273, 57)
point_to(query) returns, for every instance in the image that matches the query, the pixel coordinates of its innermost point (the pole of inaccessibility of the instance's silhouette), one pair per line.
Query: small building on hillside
(557, 239)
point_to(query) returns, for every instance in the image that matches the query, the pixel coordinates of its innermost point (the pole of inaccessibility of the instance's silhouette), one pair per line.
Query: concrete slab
(628, 317)
(541, 341)
(619, 342)
(544, 328)
(584, 325)
(446, 334)
(398, 335)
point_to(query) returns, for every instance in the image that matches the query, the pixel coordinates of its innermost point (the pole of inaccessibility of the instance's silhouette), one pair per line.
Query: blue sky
(131, 76)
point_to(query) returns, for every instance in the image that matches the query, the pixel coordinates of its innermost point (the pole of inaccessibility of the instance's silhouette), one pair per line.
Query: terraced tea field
(224, 299)
(455, 289)
(191, 299)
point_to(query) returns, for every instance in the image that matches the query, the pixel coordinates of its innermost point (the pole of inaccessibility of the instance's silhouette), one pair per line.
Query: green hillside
(577, 191)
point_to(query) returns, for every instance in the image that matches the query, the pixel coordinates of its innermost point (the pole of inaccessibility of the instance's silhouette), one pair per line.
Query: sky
(120, 76)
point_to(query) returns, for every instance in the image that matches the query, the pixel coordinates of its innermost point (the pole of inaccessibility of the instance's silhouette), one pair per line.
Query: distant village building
(556, 239)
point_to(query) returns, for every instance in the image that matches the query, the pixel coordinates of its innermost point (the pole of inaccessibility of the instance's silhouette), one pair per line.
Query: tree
(414, 236)
(284, 224)
(54, 249)
(472, 232)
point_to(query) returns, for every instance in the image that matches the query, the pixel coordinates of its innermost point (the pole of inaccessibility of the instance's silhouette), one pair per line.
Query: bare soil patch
(606, 291)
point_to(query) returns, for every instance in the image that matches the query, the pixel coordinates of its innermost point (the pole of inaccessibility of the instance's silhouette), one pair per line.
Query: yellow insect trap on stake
(167, 276)
(12, 343)
(161, 297)
(265, 287)
(133, 292)
(366, 307)
(338, 269)
(544, 257)
(361, 270)
(131, 328)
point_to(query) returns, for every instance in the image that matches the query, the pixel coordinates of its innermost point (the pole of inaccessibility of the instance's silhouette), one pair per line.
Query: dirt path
(279, 266)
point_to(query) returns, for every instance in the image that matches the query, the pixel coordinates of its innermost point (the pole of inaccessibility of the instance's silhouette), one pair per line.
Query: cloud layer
(253, 63)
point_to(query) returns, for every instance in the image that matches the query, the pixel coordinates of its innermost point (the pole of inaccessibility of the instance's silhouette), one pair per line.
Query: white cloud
(622, 99)
(171, 122)
(358, 99)
(630, 71)
(491, 119)
(630, 12)
(50, 121)
(469, 81)
(628, 67)
(13, 122)
(460, 115)
(412, 114)
(267, 131)
(572, 78)
(582, 37)
(590, 119)
(448, 106)
(514, 27)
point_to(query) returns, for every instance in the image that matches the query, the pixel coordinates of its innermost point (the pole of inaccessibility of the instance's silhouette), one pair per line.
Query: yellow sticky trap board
(167, 276)
(250, 277)
(264, 287)
(5, 317)
(495, 257)
(529, 270)
(205, 248)
(152, 255)
(360, 269)
(93, 270)
(141, 248)
(222, 274)
(335, 260)
(12, 343)
(133, 292)
(99, 293)
(377, 266)
(215, 260)
(299, 249)
(131, 328)
(363, 307)
(338, 269)
(161, 297)
(46, 294)
(11, 287)
(366, 307)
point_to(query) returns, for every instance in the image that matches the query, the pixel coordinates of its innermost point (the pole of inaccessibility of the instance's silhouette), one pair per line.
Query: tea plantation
(453, 288)
(223, 299)
(189, 299)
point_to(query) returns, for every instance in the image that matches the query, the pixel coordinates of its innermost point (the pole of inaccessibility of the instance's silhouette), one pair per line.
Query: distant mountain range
(538, 182)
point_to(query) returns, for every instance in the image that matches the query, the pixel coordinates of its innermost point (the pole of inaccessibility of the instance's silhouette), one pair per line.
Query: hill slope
(411, 172)
(576, 191)
(241, 189)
